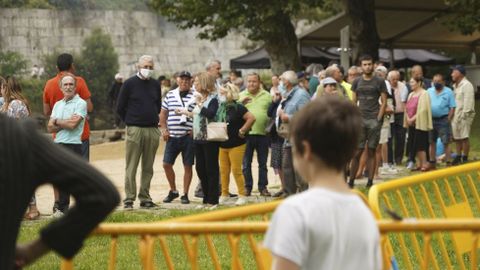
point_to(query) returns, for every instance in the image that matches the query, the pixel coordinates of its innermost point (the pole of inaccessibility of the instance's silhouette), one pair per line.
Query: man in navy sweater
(138, 105)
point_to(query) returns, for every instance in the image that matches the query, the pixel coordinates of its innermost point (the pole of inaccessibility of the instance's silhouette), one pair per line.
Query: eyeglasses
(330, 84)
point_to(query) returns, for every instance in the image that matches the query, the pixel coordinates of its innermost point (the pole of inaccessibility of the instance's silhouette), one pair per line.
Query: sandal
(34, 215)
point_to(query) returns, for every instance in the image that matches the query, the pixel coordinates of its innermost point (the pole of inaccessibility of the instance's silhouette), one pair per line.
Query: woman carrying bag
(206, 152)
(239, 121)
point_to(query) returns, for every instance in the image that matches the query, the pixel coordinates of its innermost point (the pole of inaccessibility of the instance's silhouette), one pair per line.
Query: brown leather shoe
(264, 192)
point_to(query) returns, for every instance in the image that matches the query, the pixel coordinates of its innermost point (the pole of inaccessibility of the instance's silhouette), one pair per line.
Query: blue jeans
(259, 143)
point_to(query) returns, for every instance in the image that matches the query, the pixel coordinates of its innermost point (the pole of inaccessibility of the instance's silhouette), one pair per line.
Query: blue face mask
(438, 86)
(282, 88)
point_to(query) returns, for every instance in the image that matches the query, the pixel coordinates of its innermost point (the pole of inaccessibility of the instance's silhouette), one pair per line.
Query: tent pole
(392, 57)
(345, 47)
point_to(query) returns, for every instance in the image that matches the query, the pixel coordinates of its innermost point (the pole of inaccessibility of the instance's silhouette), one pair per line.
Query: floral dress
(17, 109)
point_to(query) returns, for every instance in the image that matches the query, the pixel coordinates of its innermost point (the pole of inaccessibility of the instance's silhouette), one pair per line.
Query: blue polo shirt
(441, 102)
(65, 110)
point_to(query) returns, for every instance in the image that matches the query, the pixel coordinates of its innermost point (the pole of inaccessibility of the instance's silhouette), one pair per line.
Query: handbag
(217, 132)
(283, 130)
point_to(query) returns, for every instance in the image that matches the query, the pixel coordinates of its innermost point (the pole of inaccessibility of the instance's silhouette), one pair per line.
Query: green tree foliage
(12, 63)
(269, 21)
(98, 64)
(464, 16)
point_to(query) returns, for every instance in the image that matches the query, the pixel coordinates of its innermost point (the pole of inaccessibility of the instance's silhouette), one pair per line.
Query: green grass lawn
(96, 250)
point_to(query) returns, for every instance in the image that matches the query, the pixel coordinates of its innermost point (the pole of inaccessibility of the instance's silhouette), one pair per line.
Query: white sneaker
(212, 207)
(241, 200)
(57, 214)
(200, 206)
(410, 165)
(392, 170)
(223, 199)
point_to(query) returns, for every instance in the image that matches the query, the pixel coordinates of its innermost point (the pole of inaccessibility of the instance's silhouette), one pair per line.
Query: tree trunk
(282, 47)
(363, 28)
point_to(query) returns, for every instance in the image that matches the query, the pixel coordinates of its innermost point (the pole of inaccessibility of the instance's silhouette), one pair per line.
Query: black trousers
(64, 197)
(206, 165)
(397, 141)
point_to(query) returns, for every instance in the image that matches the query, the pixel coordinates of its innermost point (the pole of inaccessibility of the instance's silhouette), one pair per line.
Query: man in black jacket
(139, 104)
(29, 159)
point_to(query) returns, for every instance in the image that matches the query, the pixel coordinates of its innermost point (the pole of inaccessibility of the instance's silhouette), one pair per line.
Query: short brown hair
(331, 125)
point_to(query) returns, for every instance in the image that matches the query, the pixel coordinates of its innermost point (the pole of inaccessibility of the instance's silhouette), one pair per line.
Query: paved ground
(109, 158)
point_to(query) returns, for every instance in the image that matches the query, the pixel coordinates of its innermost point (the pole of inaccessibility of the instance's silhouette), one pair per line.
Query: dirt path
(109, 158)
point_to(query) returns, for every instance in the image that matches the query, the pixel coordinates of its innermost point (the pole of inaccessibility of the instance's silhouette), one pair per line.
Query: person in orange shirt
(52, 94)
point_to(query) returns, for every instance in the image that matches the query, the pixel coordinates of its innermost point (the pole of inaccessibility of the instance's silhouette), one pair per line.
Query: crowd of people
(398, 118)
(322, 128)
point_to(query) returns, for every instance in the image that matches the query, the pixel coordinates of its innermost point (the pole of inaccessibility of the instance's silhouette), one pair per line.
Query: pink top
(412, 104)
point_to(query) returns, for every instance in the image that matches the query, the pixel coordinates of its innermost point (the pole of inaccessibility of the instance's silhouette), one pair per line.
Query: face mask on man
(146, 73)
(282, 88)
(438, 86)
(222, 98)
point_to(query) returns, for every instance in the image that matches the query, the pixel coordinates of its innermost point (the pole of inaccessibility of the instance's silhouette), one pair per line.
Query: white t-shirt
(323, 229)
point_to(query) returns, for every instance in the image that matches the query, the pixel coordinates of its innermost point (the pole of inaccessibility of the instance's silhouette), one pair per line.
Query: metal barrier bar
(235, 229)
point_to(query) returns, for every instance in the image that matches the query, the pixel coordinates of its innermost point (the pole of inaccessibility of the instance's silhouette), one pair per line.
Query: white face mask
(222, 98)
(146, 73)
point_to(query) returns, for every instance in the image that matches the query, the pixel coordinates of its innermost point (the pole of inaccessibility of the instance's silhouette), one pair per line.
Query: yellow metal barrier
(192, 233)
(444, 194)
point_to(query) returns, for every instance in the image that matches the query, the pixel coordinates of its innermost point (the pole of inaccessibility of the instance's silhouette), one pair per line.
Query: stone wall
(36, 32)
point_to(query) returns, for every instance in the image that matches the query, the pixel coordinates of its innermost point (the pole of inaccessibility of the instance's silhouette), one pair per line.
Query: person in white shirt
(327, 226)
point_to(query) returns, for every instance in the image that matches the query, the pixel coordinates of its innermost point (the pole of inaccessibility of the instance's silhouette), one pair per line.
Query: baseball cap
(328, 80)
(381, 69)
(460, 68)
(185, 74)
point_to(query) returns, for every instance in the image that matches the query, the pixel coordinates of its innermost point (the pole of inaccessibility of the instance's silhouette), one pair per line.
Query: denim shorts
(175, 146)
(441, 129)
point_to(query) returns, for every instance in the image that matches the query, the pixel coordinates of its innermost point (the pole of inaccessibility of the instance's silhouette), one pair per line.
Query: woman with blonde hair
(16, 106)
(206, 152)
(239, 120)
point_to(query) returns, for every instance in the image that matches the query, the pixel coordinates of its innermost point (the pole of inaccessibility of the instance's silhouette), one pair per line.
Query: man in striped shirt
(177, 132)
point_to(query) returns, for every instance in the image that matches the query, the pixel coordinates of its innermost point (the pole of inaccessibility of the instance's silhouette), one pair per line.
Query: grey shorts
(370, 133)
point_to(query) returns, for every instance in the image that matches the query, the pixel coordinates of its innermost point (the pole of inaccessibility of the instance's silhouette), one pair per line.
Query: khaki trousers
(141, 142)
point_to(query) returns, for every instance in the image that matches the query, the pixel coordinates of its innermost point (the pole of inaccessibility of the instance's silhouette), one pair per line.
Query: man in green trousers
(138, 105)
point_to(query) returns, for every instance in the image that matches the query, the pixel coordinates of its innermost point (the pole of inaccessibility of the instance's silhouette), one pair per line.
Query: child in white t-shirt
(327, 226)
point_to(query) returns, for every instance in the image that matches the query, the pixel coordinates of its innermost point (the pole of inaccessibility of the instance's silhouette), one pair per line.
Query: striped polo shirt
(176, 124)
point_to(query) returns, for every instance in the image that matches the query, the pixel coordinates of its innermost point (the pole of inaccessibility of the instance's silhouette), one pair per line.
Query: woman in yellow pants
(239, 120)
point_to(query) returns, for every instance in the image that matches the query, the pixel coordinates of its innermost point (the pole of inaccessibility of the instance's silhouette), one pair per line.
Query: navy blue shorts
(441, 129)
(175, 146)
